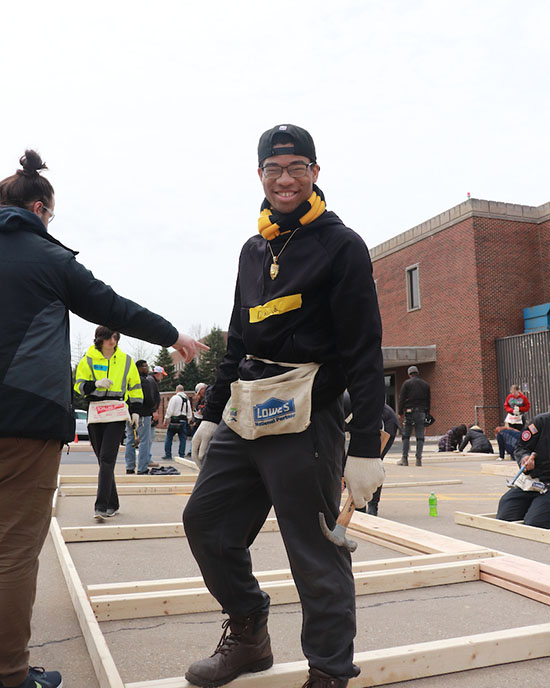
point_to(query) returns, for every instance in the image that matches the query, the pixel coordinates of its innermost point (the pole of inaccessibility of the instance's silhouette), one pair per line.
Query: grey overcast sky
(148, 116)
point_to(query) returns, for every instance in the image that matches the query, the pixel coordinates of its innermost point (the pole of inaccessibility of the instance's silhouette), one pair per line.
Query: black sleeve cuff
(366, 445)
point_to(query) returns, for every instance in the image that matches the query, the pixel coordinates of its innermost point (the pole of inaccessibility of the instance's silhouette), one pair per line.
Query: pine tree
(189, 376)
(165, 360)
(210, 360)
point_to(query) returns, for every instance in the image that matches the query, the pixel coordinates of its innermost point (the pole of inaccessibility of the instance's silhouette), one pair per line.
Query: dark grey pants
(300, 476)
(531, 507)
(415, 420)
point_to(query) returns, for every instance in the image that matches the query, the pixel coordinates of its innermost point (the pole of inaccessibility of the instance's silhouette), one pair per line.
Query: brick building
(448, 289)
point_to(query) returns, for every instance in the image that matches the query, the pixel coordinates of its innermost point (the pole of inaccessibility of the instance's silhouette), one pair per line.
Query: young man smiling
(305, 325)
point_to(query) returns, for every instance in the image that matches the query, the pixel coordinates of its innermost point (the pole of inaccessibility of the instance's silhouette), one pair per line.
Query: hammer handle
(346, 513)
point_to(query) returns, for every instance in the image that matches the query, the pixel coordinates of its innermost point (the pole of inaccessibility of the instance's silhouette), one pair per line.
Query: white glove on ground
(135, 421)
(363, 477)
(201, 440)
(104, 383)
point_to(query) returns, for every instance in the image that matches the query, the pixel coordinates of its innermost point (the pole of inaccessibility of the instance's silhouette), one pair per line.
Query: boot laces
(227, 642)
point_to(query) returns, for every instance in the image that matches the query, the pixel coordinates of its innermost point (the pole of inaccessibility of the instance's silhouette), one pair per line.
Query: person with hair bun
(41, 282)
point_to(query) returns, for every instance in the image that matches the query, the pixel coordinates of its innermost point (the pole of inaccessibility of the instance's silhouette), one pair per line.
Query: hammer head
(337, 535)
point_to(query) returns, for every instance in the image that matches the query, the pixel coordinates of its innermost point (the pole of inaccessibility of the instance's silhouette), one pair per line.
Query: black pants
(300, 475)
(532, 507)
(375, 500)
(414, 419)
(105, 439)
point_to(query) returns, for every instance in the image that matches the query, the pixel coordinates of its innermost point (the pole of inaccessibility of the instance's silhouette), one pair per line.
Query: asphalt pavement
(162, 647)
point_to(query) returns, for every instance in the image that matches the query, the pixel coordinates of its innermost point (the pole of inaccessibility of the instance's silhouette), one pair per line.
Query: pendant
(273, 270)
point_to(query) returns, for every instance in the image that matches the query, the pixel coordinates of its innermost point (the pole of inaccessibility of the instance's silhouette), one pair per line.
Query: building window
(413, 288)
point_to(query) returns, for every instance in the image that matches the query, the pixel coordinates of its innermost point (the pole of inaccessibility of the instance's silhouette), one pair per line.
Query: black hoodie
(41, 282)
(331, 317)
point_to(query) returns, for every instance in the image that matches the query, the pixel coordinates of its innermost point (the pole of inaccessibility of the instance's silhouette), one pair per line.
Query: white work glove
(135, 421)
(201, 440)
(104, 383)
(188, 347)
(516, 411)
(363, 477)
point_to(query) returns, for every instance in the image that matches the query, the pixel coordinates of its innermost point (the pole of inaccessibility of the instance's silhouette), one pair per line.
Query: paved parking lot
(160, 647)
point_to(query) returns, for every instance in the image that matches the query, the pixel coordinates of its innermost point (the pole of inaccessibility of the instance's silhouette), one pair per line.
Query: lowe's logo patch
(273, 410)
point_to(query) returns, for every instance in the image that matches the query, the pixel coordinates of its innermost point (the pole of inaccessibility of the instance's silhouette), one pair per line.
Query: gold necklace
(274, 268)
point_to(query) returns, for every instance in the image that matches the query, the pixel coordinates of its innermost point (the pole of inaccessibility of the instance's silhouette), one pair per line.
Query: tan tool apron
(277, 405)
(107, 411)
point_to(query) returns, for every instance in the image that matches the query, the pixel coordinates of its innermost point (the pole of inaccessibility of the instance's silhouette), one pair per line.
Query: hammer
(510, 483)
(338, 534)
(136, 439)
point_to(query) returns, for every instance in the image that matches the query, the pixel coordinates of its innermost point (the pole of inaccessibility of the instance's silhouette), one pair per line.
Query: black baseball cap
(300, 138)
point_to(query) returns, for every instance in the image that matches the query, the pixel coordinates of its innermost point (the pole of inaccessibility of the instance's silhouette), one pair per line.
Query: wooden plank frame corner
(379, 667)
(513, 528)
(100, 655)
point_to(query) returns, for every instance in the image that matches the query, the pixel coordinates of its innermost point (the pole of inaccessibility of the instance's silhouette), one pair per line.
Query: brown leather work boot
(245, 649)
(318, 679)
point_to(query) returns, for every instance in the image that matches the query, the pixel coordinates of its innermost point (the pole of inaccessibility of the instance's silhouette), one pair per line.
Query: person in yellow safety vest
(105, 376)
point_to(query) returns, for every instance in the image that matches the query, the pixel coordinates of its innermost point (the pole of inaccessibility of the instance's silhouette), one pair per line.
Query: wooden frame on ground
(434, 560)
(490, 522)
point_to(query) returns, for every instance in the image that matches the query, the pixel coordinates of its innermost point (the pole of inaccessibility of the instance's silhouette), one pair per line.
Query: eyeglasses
(52, 214)
(295, 169)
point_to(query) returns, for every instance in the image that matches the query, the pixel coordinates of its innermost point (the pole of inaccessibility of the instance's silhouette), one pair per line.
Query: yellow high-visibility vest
(120, 368)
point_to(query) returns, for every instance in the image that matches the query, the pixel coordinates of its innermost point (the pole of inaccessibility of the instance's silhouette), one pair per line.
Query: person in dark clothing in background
(41, 283)
(154, 378)
(476, 437)
(144, 426)
(507, 439)
(414, 405)
(533, 452)
(390, 423)
(451, 440)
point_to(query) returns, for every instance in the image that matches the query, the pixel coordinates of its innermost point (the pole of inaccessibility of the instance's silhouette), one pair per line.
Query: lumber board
(515, 587)
(285, 574)
(408, 536)
(444, 457)
(102, 660)
(524, 576)
(127, 479)
(55, 496)
(187, 462)
(194, 600)
(146, 531)
(423, 483)
(381, 542)
(513, 528)
(406, 662)
(505, 468)
(152, 487)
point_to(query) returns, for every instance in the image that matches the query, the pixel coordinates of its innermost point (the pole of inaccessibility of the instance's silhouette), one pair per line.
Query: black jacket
(535, 437)
(334, 321)
(479, 442)
(390, 421)
(155, 393)
(414, 393)
(41, 282)
(150, 394)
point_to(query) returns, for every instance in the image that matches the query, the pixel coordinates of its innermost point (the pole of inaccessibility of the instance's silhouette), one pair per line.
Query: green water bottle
(432, 501)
